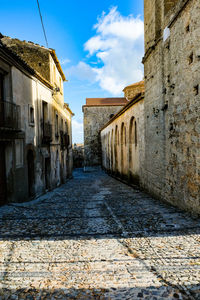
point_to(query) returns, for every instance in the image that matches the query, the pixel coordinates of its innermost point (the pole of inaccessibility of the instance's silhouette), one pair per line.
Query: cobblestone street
(97, 238)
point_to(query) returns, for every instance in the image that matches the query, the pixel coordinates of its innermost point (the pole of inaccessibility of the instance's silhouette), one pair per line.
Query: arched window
(136, 138)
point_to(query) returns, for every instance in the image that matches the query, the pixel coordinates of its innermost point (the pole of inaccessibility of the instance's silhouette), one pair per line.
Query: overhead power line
(45, 36)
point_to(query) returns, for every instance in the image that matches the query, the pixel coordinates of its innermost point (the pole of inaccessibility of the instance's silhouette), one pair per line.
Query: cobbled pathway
(97, 238)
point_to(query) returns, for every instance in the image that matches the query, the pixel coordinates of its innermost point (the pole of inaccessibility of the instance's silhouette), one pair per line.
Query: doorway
(47, 173)
(31, 173)
(3, 190)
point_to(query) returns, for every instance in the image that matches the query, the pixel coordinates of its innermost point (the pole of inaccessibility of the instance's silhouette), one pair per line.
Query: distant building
(78, 155)
(97, 112)
(35, 123)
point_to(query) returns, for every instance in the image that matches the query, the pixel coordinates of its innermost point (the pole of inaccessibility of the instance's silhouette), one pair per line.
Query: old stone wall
(123, 142)
(171, 109)
(95, 117)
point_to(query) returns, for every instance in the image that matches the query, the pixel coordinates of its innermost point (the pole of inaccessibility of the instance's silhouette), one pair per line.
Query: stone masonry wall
(123, 146)
(95, 117)
(172, 102)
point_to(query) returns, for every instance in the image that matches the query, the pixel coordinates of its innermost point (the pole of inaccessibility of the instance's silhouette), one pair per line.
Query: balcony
(10, 116)
(64, 140)
(47, 133)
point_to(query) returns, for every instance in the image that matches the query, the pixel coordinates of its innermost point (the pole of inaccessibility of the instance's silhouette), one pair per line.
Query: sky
(99, 44)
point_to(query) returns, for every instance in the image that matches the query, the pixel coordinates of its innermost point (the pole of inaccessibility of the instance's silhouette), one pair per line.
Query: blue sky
(99, 43)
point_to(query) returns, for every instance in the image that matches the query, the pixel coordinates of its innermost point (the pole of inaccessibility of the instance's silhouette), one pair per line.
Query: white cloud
(82, 71)
(119, 46)
(64, 61)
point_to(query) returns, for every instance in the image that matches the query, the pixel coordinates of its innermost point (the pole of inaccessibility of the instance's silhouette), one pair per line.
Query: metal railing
(10, 116)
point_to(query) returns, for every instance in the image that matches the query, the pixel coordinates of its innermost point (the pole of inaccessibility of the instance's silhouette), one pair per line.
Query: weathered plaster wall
(95, 117)
(172, 98)
(28, 92)
(123, 144)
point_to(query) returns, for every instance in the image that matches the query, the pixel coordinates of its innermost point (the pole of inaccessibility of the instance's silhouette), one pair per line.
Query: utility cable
(42, 23)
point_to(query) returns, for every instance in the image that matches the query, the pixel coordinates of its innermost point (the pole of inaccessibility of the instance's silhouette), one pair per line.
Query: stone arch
(123, 147)
(112, 142)
(131, 142)
(109, 151)
(116, 148)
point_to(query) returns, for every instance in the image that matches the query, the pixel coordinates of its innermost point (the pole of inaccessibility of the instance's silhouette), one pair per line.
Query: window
(31, 115)
(19, 153)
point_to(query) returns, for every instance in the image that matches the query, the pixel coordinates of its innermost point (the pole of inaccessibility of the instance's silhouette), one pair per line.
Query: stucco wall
(27, 91)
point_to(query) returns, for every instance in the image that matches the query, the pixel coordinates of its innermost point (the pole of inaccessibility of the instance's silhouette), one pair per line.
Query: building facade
(168, 161)
(35, 126)
(97, 112)
(172, 101)
(122, 139)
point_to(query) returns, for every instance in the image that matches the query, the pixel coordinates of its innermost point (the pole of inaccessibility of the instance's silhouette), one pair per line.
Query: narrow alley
(97, 238)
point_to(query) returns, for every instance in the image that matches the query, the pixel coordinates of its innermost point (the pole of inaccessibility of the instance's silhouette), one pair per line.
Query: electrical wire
(42, 23)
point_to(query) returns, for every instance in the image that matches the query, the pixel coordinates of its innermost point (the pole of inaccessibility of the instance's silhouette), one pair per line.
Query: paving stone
(97, 238)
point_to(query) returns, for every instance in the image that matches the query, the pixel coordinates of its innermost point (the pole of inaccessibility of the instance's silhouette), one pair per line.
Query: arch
(131, 141)
(133, 152)
(116, 148)
(123, 147)
(112, 142)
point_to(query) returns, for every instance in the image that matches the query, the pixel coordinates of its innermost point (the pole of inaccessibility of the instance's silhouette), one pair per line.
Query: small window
(31, 115)
(111, 116)
(19, 153)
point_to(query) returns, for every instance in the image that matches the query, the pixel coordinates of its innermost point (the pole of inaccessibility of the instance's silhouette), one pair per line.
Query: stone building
(172, 101)
(35, 123)
(97, 112)
(168, 163)
(78, 155)
(122, 141)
